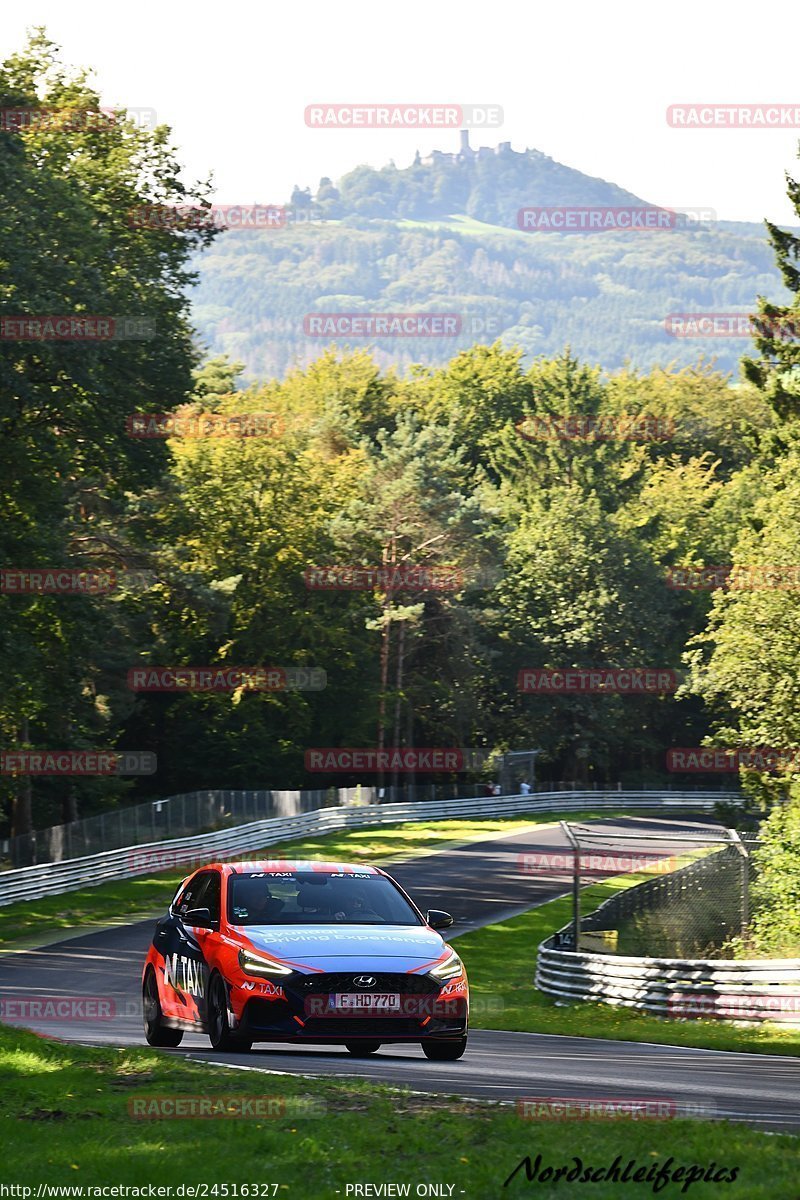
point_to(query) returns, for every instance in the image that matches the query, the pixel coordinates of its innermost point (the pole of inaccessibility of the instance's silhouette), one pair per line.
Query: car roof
(293, 864)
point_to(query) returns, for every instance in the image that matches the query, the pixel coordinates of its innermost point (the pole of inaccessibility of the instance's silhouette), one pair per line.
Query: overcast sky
(588, 83)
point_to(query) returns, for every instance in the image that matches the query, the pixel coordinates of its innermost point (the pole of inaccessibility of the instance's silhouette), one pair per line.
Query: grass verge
(125, 900)
(68, 1120)
(501, 962)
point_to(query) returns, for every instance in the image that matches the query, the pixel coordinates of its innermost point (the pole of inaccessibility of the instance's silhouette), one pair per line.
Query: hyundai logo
(364, 981)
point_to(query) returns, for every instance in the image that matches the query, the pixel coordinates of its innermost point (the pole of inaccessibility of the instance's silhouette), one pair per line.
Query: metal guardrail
(50, 879)
(749, 990)
(736, 989)
(189, 813)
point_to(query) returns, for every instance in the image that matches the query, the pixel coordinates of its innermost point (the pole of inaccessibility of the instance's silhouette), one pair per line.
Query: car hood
(356, 947)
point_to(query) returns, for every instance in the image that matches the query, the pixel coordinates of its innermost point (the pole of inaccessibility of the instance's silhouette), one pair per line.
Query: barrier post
(745, 878)
(576, 885)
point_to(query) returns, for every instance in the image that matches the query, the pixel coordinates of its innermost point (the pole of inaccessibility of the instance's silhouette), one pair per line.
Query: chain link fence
(205, 811)
(201, 812)
(692, 893)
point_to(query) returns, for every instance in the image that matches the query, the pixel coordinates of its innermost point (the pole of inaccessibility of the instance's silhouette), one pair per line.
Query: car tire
(155, 1031)
(219, 1031)
(445, 1051)
(363, 1048)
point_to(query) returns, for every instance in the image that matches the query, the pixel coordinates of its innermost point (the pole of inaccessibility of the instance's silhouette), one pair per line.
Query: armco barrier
(737, 989)
(50, 879)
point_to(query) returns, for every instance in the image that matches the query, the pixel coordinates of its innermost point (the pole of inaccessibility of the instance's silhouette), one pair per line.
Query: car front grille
(344, 981)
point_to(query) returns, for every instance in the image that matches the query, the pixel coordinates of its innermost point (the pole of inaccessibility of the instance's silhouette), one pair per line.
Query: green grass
(67, 1121)
(124, 900)
(466, 225)
(501, 963)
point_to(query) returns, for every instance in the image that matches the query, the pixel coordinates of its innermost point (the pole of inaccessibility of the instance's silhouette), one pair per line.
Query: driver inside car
(355, 908)
(255, 896)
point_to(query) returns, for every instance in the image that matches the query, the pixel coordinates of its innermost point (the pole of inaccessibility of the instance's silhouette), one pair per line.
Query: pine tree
(777, 371)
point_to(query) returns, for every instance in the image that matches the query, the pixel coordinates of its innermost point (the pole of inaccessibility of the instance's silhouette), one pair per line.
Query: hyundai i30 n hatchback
(311, 952)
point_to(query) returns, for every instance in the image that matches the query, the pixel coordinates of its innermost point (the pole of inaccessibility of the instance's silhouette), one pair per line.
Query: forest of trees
(605, 297)
(564, 544)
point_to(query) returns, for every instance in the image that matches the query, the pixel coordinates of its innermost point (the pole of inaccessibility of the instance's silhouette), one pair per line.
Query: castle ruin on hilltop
(467, 154)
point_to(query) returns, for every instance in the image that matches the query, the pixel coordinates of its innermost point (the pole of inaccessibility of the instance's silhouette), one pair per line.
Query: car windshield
(316, 898)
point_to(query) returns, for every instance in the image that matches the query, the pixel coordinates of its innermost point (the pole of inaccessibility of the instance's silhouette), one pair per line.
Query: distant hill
(442, 235)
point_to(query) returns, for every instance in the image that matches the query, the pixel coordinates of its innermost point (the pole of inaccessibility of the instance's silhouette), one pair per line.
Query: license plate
(356, 1001)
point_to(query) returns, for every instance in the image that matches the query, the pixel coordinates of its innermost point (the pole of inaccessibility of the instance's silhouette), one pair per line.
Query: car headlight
(448, 969)
(257, 964)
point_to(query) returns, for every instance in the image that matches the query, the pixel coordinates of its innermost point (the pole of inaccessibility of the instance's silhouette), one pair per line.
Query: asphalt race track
(478, 883)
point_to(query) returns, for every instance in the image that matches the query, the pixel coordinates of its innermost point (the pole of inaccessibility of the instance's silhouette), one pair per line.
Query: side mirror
(200, 917)
(438, 919)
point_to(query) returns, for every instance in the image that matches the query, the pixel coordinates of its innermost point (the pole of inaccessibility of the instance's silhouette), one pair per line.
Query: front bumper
(300, 1009)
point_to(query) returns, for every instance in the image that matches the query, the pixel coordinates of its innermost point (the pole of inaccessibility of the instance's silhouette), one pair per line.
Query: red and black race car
(303, 952)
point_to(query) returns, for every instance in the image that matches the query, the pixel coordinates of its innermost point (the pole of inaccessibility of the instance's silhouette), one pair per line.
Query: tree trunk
(410, 742)
(69, 806)
(69, 801)
(386, 636)
(401, 642)
(22, 809)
